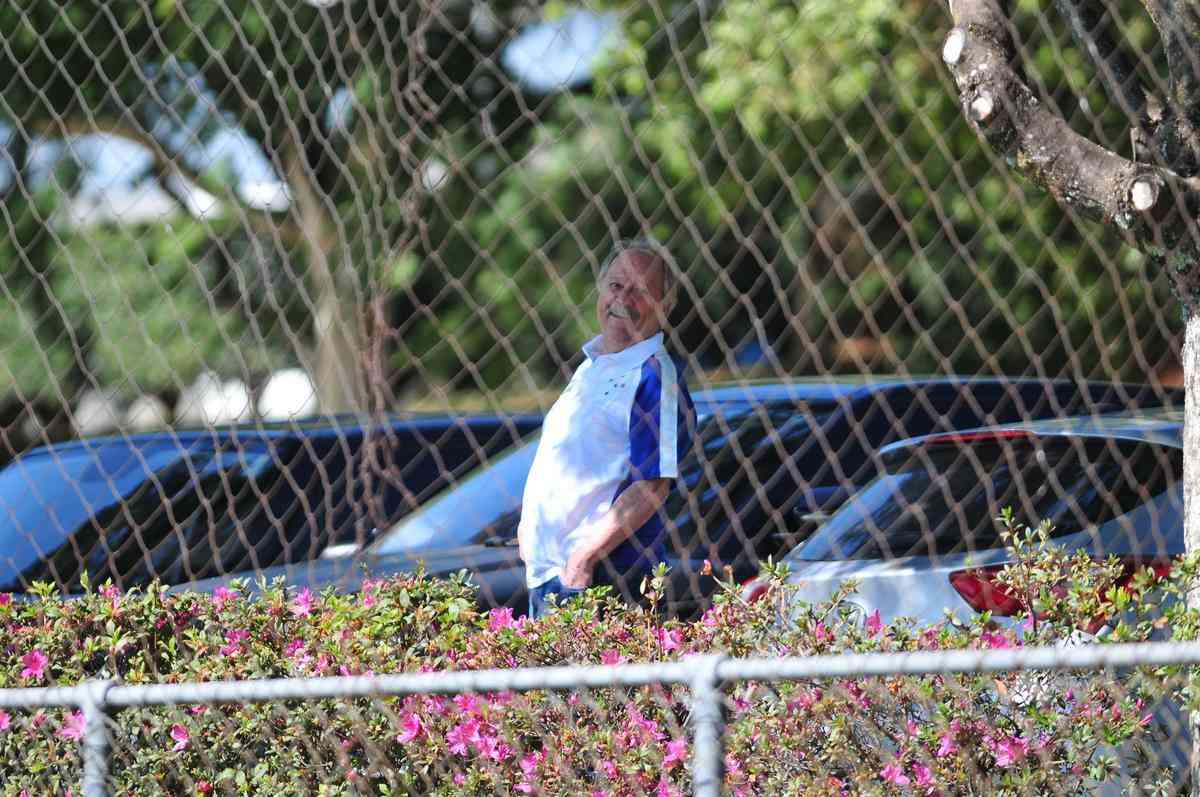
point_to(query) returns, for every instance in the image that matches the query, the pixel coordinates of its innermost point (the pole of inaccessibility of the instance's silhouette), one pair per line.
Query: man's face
(630, 304)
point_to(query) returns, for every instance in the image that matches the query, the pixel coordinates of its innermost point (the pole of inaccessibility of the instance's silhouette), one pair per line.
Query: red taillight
(983, 593)
(1132, 564)
(754, 588)
(982, 436)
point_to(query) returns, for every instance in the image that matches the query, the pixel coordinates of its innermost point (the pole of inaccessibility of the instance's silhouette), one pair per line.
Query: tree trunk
(338, 362)
(1191, 489)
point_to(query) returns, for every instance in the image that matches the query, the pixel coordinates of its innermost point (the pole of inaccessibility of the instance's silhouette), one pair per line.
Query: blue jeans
(539, 606)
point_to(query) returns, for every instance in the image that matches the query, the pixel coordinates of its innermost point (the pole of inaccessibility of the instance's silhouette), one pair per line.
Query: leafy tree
(1140, 185)
(820, 135)
(341, 98)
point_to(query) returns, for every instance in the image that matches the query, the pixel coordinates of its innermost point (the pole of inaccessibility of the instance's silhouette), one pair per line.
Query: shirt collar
(626, 358)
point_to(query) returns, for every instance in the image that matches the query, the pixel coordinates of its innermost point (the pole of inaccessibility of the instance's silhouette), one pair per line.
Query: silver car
(922, 538)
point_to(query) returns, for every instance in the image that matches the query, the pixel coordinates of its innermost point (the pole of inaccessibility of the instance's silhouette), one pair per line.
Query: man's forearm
(628, 513)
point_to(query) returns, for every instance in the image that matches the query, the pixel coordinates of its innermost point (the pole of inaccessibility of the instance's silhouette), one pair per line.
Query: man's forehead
(635, 263)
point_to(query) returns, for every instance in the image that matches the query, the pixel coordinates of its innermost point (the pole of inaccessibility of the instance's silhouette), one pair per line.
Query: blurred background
(233, 211)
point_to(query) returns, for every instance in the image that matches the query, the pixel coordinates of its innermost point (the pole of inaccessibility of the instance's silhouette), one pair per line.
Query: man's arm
(628, 513)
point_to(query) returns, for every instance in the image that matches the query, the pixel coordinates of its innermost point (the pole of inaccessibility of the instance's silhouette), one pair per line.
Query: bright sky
(548, 56)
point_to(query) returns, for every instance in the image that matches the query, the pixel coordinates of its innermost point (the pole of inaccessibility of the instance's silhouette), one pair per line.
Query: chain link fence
(290, 287)
(698, 720)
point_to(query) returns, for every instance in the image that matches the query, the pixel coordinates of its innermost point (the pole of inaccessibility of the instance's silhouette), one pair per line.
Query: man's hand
(631, 509)
(578, 572)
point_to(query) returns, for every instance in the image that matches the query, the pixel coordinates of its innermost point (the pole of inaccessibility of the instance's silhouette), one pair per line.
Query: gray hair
(656, 251)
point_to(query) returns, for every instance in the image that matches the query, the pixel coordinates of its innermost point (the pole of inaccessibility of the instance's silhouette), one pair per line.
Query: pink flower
(501, 618)
(35, 665)
(995, 639)
(180, 735)
(924, 775)
(490, 746)
(529, 766)
(462, 735)
(531, 762)
(459, 778)
(893, 773)
(5, 599)
(612, 656)
(874, 623)
(73, 727)
(234, 640)
(665, 789)
(677, 750)
(609, 769)
(1010, 751)
(645, 723)
(468, 704)
(946, 747)
(669, 639)
(302, 604)
(5, 720)
(806, 700)
(221, 596)
(411, 728)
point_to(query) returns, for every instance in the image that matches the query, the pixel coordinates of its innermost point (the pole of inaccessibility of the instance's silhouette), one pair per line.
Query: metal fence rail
(705, 674)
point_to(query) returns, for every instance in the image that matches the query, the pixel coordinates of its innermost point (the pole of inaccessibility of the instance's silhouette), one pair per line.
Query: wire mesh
(291, 289)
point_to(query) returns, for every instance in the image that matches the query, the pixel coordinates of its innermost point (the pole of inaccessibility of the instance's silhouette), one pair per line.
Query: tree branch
(1178, 139)
(165, 166)
(1153, 206)
(1117, 70)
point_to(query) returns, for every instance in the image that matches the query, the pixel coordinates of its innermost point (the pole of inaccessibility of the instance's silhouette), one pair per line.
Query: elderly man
(612, 442)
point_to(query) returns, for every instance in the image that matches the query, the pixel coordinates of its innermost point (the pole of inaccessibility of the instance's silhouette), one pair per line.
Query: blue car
(771, 462)
(185, 505)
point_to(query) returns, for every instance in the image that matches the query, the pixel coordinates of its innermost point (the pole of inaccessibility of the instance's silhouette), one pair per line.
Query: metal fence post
(708, 714)
(96, 746)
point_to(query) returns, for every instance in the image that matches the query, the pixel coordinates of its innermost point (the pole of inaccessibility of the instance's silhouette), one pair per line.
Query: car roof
(316, 427)
(1160, 426)
(834, 389)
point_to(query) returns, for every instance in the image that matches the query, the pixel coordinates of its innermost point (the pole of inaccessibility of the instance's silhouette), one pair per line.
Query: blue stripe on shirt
(659, 436)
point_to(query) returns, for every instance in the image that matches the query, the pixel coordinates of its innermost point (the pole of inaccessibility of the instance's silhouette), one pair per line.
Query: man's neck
(607, 347)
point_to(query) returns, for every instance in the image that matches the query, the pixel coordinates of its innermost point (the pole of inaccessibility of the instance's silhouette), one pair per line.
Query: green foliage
(808, 163)
(1004, 733)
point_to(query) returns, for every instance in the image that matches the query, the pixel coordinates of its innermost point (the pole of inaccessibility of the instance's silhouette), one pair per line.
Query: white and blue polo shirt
(623, 417)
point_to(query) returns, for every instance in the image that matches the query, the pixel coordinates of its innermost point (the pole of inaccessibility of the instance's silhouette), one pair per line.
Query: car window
(742, 482)
(481, 506)
(193, 519)
(944, 499)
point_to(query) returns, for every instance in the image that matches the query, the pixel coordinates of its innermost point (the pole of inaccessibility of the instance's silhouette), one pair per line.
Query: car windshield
(941, 499)
(488, 499)
(130, 512)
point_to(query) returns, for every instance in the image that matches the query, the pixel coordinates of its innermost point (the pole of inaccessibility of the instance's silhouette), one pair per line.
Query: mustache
(627, 313)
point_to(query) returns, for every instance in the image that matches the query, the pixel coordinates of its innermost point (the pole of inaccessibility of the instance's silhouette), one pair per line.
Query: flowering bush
(925, 735)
